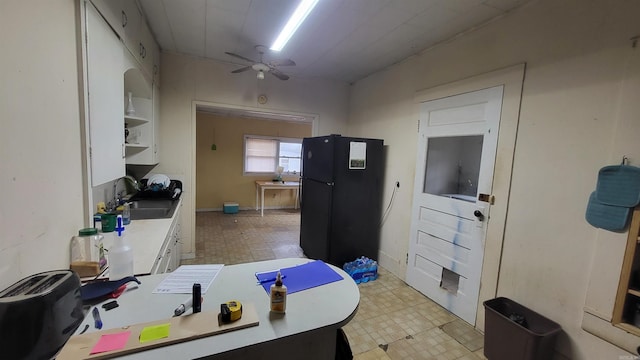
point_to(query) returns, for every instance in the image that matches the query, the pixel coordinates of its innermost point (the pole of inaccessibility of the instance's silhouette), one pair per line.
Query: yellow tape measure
(230, 311)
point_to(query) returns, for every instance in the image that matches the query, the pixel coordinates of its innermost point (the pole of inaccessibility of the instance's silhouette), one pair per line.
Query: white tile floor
(393, 321)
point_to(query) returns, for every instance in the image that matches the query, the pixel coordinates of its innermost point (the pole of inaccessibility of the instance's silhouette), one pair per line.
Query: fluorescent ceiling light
(294, 22)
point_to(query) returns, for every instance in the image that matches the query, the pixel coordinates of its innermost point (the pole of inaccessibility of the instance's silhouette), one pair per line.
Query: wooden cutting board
(183, 328)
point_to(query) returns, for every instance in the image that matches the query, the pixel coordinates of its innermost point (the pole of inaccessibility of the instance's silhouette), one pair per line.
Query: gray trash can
(513, 331)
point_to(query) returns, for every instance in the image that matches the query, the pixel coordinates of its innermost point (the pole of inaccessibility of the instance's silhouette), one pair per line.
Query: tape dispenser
(230, 312)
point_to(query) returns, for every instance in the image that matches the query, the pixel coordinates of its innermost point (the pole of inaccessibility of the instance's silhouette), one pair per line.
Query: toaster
(38, 314)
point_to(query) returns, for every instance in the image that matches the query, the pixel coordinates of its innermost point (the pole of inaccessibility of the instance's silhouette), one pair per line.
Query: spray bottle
(120, 255)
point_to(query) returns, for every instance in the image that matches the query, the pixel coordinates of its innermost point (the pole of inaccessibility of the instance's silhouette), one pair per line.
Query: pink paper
(110, 342)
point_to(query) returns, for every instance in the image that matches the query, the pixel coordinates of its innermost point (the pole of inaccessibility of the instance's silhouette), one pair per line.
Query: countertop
(146, 238)
(307, 330)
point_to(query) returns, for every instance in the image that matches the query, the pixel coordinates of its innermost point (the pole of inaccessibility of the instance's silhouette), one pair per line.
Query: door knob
(479, 215)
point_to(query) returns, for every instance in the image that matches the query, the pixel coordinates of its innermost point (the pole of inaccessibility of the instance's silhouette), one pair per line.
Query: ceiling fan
(264, 67)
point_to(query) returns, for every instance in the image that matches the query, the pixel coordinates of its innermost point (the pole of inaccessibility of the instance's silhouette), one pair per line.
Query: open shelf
(134, 121)
(626, 311)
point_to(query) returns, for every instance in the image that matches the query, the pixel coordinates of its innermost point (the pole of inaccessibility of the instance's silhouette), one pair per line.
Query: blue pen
(271, 279)
(96, 318)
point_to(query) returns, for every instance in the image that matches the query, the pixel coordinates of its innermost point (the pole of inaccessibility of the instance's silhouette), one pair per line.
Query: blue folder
(301, 277)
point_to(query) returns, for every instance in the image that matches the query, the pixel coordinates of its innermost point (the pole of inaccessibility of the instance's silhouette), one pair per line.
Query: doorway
(221, 160)
(458, 138)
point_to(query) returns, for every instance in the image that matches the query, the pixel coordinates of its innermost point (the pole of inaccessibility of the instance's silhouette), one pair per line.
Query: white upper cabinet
(138, 74)
(112, 11)
(156, 65)
(105, 84)
(127, 20)
(156, 125)
(132, 25)
(123, 16)
(146, 50)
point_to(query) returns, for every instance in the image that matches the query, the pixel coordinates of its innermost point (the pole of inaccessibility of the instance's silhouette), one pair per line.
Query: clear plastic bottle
(87, 252)
(120, 255)
(126, 213)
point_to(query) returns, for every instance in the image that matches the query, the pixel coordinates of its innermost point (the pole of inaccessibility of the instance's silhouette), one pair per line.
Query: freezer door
(317, 158)
(315, 225)
(357, 203)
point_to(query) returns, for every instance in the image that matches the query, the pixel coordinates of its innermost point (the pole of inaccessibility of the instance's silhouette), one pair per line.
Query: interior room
(565, 74)
(220, 176)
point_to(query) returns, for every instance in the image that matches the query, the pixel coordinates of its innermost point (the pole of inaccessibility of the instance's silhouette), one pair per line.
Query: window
(263, 155)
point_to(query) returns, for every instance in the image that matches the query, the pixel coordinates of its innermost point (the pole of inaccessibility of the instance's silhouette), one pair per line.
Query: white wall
(41, 206)
(187, 79)
(578, 114)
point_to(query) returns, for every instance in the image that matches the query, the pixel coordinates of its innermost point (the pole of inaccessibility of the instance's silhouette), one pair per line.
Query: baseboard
(390, 264)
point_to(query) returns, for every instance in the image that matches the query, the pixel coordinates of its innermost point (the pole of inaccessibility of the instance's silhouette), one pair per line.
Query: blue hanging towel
(619, 185)
(608, 217)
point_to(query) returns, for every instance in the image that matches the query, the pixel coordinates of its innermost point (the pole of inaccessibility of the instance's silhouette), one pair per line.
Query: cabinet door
(176, 250)
(132, 27)
(156, 125)
(112, 11)
(146, 49)
(156, 65)
(105, 86)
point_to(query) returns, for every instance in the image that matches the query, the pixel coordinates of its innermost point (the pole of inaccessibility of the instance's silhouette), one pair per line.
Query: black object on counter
(197, 298)
(38, 314)
(99, 289)
(171, 192)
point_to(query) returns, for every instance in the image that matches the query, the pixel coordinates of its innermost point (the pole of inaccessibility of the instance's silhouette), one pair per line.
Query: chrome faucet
(116, 196)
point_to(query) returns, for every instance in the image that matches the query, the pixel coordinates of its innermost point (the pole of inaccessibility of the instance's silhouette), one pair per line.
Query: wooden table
(306, 331)
(261, 186)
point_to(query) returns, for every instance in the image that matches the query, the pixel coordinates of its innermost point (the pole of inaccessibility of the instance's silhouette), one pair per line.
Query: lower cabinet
(169, 256)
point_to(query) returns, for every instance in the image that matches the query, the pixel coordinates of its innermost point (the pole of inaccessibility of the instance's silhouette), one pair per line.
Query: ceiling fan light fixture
(260, 75)
(301, 13)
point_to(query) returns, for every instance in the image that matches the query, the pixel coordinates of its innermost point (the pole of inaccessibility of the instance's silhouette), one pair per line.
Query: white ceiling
(345, 40)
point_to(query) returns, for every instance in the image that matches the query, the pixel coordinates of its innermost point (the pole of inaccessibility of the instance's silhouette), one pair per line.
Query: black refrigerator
(341, 198)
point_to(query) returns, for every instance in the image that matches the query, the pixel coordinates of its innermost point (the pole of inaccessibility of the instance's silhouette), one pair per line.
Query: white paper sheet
(182, 279)
(357, 155)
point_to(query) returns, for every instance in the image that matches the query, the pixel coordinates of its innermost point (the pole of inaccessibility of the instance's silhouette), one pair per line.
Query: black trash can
(513, 331)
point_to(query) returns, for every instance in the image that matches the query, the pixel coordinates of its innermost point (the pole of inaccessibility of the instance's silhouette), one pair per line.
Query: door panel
(446, 227)
(315, 210)
(455, 161)
(318, 158)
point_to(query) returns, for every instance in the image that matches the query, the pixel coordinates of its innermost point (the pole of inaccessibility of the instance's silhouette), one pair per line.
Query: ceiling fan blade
(240, 57)
(280, 75)
(241, 70)
(282, 62)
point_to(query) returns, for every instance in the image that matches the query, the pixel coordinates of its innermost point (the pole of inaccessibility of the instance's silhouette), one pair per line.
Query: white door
(454, 172)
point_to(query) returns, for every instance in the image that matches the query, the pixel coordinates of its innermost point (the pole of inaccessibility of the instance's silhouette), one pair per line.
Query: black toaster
(38, 314)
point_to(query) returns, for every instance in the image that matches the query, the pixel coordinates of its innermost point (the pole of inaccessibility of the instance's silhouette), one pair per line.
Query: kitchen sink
(152, 209)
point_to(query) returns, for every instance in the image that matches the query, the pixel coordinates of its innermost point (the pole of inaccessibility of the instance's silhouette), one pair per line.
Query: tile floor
(393, 321)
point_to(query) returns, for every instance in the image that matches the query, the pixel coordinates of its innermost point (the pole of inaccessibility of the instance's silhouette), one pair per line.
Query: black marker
(197, 305)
